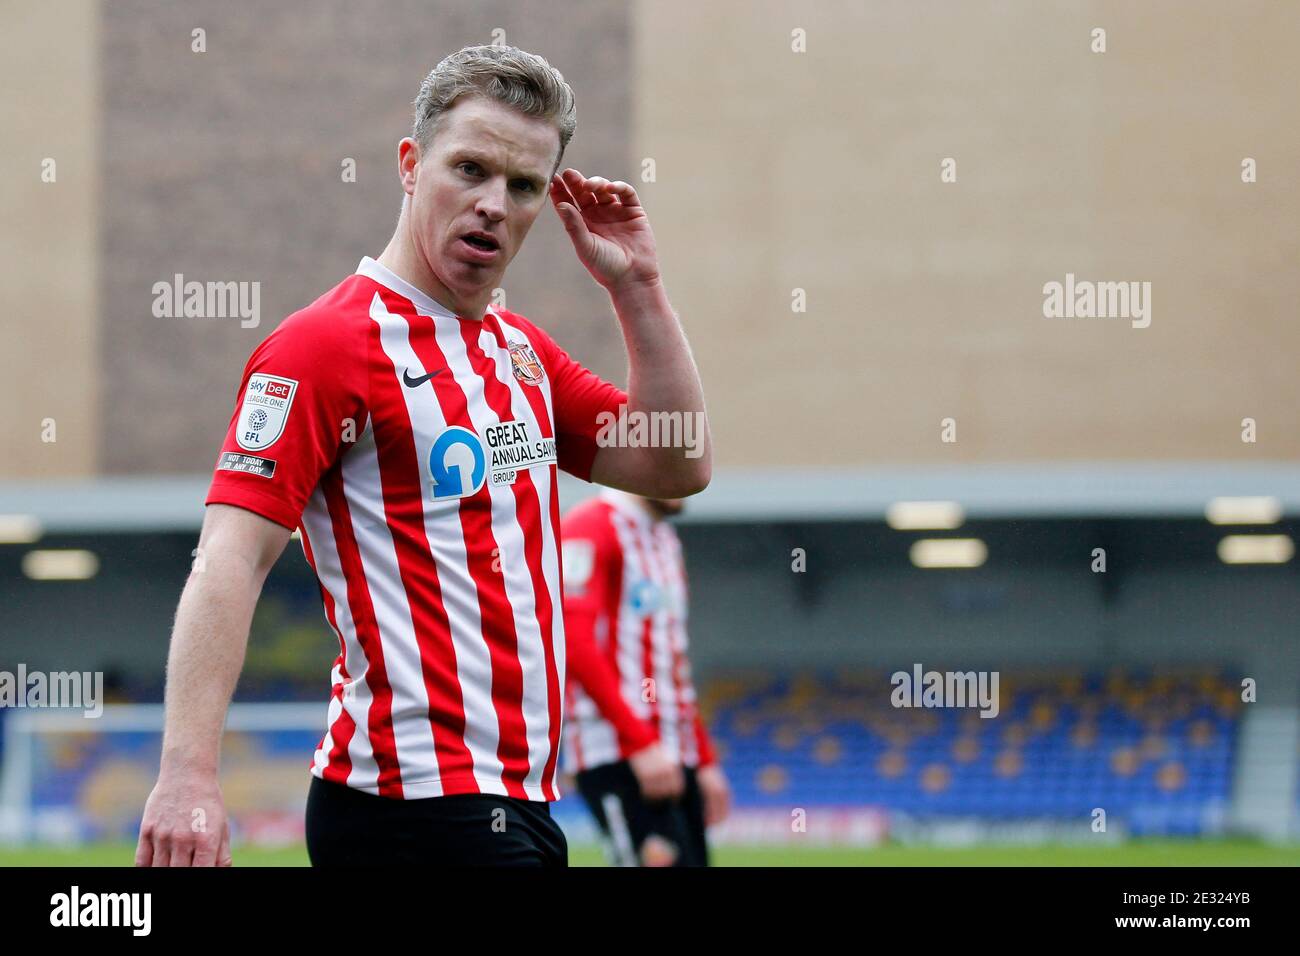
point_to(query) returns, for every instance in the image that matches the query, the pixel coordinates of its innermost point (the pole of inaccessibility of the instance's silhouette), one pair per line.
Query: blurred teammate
(633, 733)
(412, 432)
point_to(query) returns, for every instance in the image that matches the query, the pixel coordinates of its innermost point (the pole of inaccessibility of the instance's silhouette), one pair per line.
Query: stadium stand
(1155, 750)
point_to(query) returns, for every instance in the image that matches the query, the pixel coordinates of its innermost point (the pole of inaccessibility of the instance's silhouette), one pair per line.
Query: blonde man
(412, 432)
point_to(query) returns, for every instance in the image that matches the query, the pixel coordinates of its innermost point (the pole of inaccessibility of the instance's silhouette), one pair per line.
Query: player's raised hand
(609, 229)
(184, 824)
(658, 775)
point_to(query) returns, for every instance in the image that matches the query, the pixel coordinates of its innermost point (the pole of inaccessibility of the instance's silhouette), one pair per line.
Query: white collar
(424, 305)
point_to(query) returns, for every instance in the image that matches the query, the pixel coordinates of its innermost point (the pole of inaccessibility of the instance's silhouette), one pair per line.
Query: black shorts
(627, 819)
(349, 827)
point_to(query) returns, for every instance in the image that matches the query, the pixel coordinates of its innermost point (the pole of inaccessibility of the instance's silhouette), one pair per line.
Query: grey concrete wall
(226, 166)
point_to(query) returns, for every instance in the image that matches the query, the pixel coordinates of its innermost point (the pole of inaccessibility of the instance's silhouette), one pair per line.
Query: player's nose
(491, 201)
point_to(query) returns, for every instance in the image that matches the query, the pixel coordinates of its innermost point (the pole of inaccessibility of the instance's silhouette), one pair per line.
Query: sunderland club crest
(525, 364)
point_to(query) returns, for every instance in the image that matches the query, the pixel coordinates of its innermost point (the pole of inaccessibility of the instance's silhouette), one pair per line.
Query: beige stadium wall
(774, 170)
(820, 170)
(49, 110)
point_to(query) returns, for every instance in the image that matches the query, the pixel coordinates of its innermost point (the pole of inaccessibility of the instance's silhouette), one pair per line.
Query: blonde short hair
(506, 74)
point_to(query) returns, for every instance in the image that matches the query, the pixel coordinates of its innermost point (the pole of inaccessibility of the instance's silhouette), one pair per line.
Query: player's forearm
(206, 655)
(662, 377)
(589, 668)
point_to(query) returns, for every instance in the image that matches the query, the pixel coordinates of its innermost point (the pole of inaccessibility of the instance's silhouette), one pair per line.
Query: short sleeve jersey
(416, 451)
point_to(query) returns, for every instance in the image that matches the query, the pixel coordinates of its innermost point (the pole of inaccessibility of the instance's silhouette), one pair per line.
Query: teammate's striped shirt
(625, 603)
(416, 450)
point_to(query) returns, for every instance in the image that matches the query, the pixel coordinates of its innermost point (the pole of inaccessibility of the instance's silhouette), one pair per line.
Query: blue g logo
(644, 597)
(448, 482)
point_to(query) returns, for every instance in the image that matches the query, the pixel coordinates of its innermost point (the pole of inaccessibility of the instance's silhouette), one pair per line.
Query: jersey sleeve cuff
(635, 739)
(268, 506)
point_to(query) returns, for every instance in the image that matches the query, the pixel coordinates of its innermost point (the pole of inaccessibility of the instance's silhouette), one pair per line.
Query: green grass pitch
(1135, 853)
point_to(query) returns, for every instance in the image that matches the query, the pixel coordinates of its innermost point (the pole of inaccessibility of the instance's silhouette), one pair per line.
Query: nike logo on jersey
(413, 382)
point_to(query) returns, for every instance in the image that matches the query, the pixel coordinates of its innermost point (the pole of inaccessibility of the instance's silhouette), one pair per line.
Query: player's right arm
(303, 390)
(184, 820)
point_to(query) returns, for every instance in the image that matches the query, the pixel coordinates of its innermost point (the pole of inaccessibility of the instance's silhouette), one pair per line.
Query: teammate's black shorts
(627, 819)
(349, 827)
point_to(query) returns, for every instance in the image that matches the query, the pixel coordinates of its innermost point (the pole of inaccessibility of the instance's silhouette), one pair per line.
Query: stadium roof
(1030, 490)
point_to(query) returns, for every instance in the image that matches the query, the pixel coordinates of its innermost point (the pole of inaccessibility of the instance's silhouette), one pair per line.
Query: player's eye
(525, 184)
(473, 166)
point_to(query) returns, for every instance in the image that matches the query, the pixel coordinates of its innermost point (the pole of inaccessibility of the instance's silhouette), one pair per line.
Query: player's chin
(477, 274)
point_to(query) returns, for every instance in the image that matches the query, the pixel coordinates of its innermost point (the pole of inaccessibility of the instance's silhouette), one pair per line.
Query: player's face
(487, 170)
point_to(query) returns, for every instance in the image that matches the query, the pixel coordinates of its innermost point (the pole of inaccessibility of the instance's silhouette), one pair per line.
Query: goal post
(71, 779)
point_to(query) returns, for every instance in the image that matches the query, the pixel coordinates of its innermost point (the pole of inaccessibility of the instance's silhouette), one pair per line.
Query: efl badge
(524, 360)
(579, 558)
(267, 400)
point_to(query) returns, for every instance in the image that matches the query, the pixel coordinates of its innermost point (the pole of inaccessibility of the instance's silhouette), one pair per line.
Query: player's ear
(408, 164)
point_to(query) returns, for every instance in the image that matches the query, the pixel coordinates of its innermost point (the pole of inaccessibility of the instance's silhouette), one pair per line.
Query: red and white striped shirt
(625, 608)
(417, 451)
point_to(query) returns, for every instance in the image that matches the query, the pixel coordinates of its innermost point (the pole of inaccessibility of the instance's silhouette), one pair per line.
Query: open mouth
(483, 243)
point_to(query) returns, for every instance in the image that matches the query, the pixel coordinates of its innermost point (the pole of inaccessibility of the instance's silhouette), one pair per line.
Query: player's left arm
(714, 786)
(612, 238)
